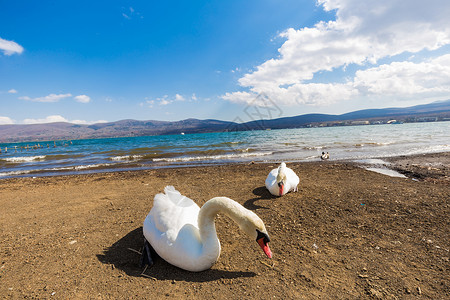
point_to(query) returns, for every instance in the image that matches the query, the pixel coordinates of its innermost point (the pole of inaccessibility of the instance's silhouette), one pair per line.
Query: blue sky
(90, 61)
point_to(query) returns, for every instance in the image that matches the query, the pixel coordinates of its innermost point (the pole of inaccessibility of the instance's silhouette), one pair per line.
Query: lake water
(303, 144)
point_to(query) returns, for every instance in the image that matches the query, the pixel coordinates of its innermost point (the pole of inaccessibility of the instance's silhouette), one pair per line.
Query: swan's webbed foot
(146, 257)
(296, 189)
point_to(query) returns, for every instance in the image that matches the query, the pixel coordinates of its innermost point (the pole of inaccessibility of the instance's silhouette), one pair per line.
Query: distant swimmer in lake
(324, 156)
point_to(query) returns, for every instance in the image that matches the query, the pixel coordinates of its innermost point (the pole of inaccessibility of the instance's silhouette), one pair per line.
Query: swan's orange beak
(265, 247)
(281, 187)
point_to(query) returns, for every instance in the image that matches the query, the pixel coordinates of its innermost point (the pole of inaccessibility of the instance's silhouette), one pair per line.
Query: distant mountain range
(436, 111)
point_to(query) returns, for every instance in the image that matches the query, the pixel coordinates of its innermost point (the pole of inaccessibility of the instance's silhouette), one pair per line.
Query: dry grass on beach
(348, 233)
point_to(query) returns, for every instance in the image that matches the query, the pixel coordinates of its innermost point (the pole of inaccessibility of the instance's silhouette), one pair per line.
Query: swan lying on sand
(282, 180)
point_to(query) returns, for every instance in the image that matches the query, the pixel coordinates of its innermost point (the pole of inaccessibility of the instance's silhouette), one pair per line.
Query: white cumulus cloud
(82, 98)
(178, 97)
(49, 119)
(12, 91)
(84, 122)
(10, 47)
(6, 121)
(166, 100)
(363, 33)
(59, 118)
(425, 79)
(49, 98)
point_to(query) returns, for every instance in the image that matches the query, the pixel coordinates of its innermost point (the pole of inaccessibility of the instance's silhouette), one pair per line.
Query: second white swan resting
(282, 180)
(185, 235)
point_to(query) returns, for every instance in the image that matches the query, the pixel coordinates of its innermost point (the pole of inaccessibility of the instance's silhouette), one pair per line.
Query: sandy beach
(348, 233)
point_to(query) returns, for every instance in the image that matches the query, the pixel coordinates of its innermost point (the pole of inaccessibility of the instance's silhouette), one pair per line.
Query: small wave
(94, 166)
(313, 147)
(14, 173)
(126, 157)
(312, 157)
(53, 170)
(52, 157)
(222, 144)
(378, 143)
(22, 159)
(372, 144)
(213, 157)
(213, 152)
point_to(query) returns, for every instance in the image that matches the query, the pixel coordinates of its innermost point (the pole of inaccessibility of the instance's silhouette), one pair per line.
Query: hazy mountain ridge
(68, 131)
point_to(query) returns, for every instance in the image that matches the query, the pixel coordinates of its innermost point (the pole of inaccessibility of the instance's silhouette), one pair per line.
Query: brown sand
(348, 233)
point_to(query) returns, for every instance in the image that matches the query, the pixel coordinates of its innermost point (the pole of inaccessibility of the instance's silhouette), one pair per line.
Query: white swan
(185, 235)
(282, 180)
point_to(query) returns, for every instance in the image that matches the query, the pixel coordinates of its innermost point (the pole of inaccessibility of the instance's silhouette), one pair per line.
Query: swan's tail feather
(173, 195)
(170, 188)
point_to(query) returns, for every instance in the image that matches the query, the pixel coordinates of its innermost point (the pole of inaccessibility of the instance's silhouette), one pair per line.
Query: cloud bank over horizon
(362, 35)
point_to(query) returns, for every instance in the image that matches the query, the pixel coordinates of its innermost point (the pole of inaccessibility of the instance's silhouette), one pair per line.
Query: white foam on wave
(213, 157)
(13, 173)
(83, 167)
(126, 157)
(312, 157)
(58, 169)
(22, 159)
(372, 144)
(314, 147)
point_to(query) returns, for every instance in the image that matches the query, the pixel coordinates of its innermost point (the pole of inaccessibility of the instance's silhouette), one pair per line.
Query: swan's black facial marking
(263, 241)
(262, 235)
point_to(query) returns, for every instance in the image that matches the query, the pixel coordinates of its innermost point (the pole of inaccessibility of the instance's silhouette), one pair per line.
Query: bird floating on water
(325, 156)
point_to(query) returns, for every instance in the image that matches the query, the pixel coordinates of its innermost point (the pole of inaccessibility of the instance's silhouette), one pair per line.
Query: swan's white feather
(171, 211)
(172, 230)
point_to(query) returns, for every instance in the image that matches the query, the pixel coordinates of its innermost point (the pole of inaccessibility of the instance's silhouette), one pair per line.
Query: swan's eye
(262, 235)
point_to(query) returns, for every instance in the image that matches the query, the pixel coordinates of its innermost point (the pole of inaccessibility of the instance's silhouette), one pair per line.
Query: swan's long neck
(281, 176)
(207, 215)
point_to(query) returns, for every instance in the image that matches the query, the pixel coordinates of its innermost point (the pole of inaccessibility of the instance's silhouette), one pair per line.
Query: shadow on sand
(121, 257)
(263, 194)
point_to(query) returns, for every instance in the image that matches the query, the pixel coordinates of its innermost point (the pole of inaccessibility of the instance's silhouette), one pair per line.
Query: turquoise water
(303, 144)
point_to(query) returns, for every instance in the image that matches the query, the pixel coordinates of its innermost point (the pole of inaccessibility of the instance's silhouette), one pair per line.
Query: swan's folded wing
(271, 182)
(292, 177)
(175, 197)
(188, 241)
(168, 217)
(271, 178)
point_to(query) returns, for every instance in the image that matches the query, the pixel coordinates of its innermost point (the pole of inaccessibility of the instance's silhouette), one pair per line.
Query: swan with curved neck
(282, 180)
(185, 235)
